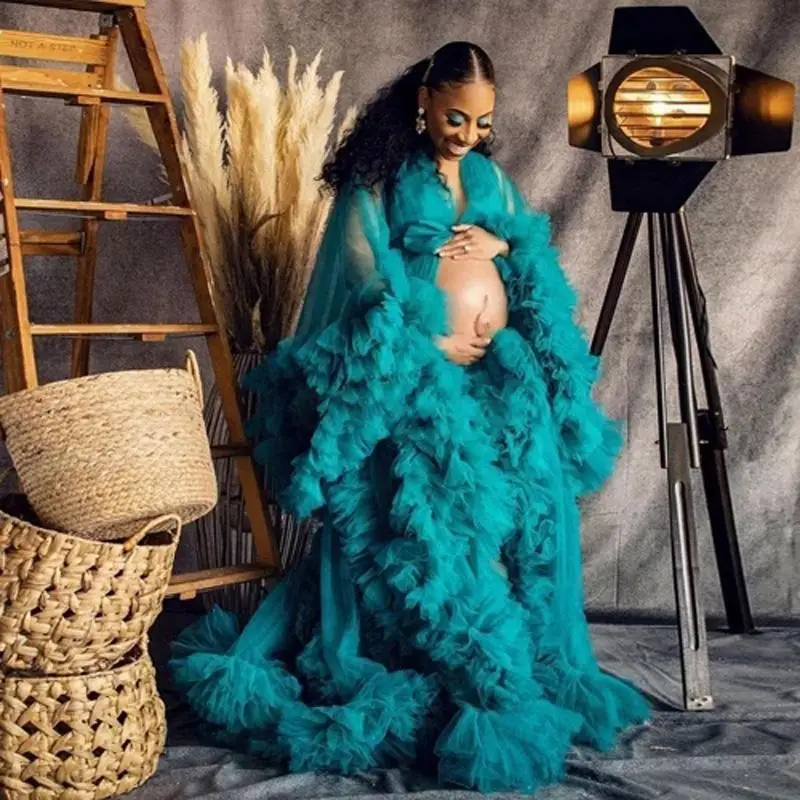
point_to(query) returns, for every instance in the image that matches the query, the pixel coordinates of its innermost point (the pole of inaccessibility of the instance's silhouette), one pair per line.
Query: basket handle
(193, 368)
(151, 526)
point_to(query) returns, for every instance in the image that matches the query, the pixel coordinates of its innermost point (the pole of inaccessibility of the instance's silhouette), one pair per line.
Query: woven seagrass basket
(105, 454)
(70, 605)
(80, 737)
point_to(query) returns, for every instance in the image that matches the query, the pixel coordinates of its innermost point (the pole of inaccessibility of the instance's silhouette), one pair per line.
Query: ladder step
(230, 450)
(100, 6)
(53, 47)
(80, 96)
(107, 211)
(188, 584)
(144, 331)
(51, 243)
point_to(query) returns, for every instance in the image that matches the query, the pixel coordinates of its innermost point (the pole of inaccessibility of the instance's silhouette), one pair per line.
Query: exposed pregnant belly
(476, 296)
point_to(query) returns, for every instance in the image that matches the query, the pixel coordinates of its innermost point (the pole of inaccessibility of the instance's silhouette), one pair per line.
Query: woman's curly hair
(384, 134)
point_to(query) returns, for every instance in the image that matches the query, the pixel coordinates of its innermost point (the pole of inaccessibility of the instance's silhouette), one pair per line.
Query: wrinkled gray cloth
(743, 219)
(748, 747)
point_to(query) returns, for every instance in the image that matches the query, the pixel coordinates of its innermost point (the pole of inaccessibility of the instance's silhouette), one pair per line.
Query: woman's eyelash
(455, 122)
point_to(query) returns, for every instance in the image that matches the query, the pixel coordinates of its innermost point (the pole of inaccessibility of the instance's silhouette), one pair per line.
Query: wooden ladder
(92, 88)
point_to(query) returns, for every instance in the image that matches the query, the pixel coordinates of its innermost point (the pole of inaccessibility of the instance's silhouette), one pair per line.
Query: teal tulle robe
(438, 620)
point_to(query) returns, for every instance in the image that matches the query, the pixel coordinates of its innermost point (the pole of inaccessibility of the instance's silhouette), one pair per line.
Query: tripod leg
(676, 300)
(621, 263)
(658, 338)
(675, 458)
(713, 443)
(695, 669)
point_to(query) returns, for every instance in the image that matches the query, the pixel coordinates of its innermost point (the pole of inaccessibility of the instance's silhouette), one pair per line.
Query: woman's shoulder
(509, 188)
(486, 174)
(489, 162)
(483, 163)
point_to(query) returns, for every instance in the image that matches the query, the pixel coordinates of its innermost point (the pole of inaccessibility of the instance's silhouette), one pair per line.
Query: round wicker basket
(70, 605)
(102, 455)
(80, 737)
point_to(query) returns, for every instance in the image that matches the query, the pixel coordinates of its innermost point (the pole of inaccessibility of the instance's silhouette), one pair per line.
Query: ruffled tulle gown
(438, 621)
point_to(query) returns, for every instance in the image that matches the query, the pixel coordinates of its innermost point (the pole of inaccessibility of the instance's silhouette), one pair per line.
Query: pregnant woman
(434, 412)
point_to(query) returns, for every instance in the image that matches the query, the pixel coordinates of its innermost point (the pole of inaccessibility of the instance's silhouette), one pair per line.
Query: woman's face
(458, 117)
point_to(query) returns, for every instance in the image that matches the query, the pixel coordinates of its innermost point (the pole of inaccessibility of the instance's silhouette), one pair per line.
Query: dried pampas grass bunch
(252, 178)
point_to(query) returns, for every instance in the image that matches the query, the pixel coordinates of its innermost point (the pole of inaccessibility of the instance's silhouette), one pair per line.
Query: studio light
(663, 107)
(666, 94)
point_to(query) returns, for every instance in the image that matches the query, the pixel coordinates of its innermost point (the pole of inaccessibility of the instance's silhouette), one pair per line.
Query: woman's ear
(423, 96)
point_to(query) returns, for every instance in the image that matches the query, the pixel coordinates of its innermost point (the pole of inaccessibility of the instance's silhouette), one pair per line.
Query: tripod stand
(698, 440)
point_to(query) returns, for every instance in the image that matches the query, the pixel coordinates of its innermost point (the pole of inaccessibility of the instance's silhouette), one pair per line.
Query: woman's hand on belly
(463, 349)
(472, 241)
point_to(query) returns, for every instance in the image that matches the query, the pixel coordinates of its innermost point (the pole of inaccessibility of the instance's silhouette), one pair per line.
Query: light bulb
(658, 109)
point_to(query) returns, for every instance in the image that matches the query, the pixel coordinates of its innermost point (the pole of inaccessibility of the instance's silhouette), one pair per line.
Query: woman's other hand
(463, 349)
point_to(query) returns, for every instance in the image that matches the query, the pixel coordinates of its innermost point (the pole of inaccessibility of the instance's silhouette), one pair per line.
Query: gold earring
(421, 120)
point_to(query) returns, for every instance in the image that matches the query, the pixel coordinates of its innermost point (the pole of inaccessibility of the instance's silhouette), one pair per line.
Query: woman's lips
(456, 149)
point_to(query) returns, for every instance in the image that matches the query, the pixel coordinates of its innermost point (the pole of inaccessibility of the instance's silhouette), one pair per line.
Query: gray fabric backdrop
(743, 218)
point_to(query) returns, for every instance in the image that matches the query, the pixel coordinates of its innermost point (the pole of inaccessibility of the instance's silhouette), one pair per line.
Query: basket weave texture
(80, 737)
(72, 605)
(104, 454)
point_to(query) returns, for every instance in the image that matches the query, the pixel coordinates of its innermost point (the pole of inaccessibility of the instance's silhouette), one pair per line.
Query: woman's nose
(469, 136)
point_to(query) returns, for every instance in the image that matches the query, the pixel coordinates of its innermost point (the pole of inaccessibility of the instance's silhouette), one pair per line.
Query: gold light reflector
(656, 107)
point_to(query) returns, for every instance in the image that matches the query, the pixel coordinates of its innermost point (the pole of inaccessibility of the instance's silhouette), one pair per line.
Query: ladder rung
(143, 330)
(51, 243)
(67, 80)
(92, 208)
(188, 584)
(230, 450)
(83, 5)
(82, 96)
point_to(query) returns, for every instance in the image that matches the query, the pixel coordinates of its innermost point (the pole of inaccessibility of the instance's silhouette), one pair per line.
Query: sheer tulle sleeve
(329, 394)
(542, 306)
(347, 267)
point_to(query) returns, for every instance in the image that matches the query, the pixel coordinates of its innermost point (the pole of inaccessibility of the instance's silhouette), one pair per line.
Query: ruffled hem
(522, 750)
(380, 725)
(238, 695)
(607, 704)
(259, 704)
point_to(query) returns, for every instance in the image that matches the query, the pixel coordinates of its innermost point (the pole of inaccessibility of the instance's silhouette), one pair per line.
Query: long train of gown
(439, 618)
